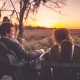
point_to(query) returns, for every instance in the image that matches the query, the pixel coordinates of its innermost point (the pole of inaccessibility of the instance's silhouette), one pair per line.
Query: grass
(40, 39)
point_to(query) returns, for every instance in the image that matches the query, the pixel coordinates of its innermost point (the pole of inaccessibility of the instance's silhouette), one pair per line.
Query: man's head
(7, 29)
(5, 19)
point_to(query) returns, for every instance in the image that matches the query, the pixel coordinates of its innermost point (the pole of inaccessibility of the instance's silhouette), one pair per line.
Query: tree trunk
(21, 29)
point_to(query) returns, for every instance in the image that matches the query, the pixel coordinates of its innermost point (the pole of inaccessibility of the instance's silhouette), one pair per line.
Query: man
(7, 32)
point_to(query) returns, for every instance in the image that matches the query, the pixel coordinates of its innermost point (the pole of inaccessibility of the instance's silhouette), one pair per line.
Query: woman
(59, 35)
(61, 52)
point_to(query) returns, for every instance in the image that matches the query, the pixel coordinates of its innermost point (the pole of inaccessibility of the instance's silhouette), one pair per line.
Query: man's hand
(40, 51)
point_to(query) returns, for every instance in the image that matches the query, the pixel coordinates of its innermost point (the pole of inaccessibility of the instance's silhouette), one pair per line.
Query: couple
(7, 32)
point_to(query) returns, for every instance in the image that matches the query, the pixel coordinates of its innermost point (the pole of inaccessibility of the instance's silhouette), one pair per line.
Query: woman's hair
(61, 34)
(5, 28)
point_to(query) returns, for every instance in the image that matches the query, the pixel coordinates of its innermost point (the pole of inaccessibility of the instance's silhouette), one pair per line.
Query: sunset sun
(44, 23)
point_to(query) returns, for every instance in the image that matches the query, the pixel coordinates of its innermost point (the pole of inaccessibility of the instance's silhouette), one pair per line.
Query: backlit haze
(49, 18)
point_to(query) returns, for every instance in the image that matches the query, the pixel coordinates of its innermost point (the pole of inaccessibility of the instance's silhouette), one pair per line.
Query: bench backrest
(62, 61)
(66, 51)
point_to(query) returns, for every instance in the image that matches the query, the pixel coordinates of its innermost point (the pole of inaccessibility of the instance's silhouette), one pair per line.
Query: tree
(32, 6)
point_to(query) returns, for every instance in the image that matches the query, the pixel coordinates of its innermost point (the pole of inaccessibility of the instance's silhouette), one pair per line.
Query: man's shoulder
(8, 40)
(5, 38)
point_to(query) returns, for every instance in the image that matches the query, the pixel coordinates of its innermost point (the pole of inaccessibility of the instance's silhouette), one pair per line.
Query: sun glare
(43, 23)
(58, 25)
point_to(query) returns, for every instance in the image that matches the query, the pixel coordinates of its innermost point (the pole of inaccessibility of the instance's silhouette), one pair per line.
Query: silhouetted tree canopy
(31, 6)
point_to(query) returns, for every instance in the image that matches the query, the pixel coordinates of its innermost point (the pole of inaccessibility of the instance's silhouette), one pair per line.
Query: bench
(63, 67)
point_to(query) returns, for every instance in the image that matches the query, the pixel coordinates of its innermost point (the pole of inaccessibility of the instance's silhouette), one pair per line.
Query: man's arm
(24, 54)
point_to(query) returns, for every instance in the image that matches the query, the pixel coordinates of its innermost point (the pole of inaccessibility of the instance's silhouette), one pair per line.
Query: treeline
(37, 27)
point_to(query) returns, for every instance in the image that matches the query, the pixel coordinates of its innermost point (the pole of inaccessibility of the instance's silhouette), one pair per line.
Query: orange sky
(49, 18)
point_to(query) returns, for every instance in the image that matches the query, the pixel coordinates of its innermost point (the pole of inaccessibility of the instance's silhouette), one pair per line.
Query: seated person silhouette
(7, 32)
(63, 51)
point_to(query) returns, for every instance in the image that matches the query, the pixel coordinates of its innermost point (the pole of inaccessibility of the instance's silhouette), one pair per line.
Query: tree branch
(14, 9)
(55, 10)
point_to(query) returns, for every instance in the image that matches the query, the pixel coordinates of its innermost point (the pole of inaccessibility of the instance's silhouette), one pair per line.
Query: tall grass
(41, 39)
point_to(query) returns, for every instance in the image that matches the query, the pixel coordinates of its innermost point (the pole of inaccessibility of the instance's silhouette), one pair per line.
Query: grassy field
(41, 38)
